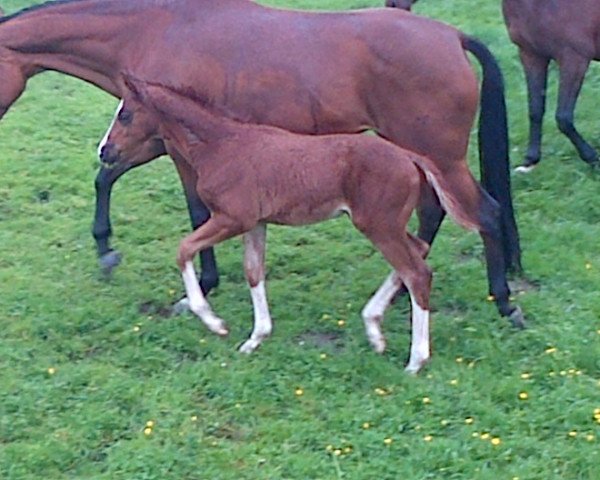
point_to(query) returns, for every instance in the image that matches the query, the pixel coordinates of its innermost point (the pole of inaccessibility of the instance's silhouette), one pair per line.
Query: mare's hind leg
(536, 74)
(215, 230)
(572, 71)
(481, 210)
(254, 267)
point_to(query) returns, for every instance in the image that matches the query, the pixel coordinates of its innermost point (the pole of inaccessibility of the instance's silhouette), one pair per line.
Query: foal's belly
(306, 214)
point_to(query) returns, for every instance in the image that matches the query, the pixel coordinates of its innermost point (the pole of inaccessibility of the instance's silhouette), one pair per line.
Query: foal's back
(292, 179)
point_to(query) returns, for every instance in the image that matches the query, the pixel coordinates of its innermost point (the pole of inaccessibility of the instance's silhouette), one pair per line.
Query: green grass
(119, 362)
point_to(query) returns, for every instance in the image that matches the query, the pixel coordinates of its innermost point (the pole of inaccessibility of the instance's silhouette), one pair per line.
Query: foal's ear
(134, 85)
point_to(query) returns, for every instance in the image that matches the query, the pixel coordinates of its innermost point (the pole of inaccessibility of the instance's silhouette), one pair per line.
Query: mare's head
(403, 4)
(133, 137)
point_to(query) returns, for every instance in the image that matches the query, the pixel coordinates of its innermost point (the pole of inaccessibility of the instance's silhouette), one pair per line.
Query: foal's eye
(125, 116)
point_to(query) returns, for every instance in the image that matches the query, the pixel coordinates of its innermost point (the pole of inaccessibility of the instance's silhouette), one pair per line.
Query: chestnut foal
(251, 175)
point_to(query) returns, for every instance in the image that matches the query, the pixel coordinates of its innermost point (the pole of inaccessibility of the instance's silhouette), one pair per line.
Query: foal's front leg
(254, 266)
(215, 230)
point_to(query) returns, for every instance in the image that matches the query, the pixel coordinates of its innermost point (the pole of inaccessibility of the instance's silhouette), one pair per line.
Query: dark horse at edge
(404, 76)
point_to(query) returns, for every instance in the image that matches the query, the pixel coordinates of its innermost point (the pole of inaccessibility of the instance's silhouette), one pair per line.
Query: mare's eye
(125, 116)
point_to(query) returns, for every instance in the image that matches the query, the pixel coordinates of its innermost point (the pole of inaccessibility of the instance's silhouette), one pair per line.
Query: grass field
(99, 383)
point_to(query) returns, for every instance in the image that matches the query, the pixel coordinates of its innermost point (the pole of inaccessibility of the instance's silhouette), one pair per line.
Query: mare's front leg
(254, 267)
(536, 74)
(572, 72)
(199, 214)
(215, 230)
(102, 230)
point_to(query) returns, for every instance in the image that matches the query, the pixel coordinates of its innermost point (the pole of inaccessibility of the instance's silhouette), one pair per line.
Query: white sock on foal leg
(419, 345)
(197, 302)
(263, 325)
(375, 308)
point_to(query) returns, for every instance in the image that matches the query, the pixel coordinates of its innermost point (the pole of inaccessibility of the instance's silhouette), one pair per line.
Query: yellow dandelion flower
(341, 323)
(136, 328)
(496, 441)
(572, 433)
(323, 356)
(325, 316)
(150, 424)
(366, 425)
(348, 449)
(172, 292)
(596, 411)
(337, 452)
(444, 422)
(428, 438)
(299, 392)
(523, 396)
(598, 331)
(426, 400)
(590, 437)
(329, 448)
(459, 359)
(491, 298)
(51, 371)
(203, 341)
(526, 376)
(475, 434)
(454, 381)
(551, 350)
(484, 436)
(578, 372)
(469, 420)
(381, 391)
(563, 373)
(588, 266)
(388, 441)
(147, 431)
(194, 418)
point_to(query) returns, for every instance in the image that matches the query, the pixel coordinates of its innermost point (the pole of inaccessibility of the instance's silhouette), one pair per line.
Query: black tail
(493, 147)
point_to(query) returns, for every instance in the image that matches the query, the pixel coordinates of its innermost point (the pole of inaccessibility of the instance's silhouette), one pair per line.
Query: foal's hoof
(249, 346)
(181, 307)
(415, 367)
(525, 168)
(109, 261)
(517, 318)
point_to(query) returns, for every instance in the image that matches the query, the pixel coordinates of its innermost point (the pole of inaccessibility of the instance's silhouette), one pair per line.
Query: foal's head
(403, 4)
(133, 137)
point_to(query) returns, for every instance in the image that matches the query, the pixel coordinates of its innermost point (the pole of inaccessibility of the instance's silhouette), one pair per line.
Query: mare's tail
(493, 147)
(447, 199)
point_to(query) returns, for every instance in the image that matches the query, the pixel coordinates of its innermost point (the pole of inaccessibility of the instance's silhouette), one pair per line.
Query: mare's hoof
(109, 261)
(208, 283)
(181, 307)
(517, 318)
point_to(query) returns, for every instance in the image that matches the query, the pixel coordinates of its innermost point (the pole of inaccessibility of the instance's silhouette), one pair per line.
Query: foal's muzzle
(109, 154)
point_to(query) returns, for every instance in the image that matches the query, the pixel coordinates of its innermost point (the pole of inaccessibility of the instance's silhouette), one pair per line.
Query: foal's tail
(438, 182)
(493, 147)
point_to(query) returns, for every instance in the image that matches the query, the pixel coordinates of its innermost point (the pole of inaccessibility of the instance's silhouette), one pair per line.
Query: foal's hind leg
(215, 230)
(254, 266)
(572, 71)
(404, 253)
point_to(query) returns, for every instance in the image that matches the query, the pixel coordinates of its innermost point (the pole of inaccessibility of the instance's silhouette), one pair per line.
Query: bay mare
(405, 76)
(251, 175)
(568, 33)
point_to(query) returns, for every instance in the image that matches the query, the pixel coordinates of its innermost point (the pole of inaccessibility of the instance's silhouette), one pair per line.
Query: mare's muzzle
(403, 4)
(109, 154)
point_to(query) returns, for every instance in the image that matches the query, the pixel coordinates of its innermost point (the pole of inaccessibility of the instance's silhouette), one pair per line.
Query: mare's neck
(84, 38)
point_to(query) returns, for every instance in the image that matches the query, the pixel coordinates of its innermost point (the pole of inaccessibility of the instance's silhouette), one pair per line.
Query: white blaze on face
(105, 138)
